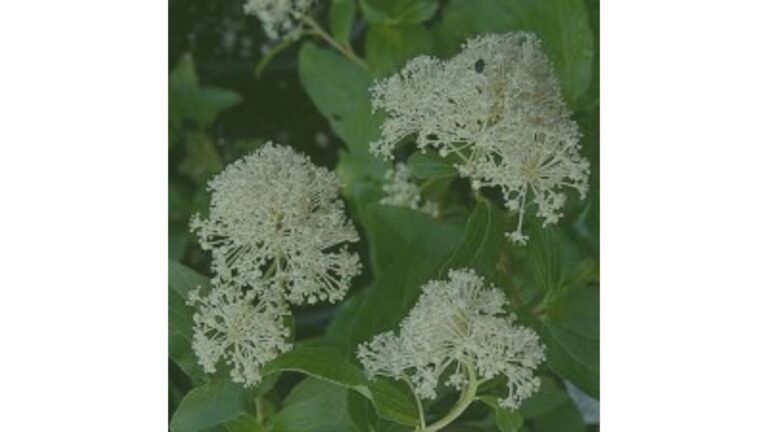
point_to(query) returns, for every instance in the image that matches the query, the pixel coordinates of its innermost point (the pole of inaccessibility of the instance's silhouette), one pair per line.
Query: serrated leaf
(482, 243)
(398, 11)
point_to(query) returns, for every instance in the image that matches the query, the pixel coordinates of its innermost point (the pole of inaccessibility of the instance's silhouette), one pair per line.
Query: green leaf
(244, 423)
(552, 410)
(342, 17)
(327, 364)
(563, 26)
(180, 337)
(188, 101)
(573, 356)
(389, 47)
(394, 402)
(181, 280)
(208, 405)
(315, 406)
(407, 248)
(482, 243)
(398, 11)
(339, 89)
(322, 363)
(506, 419)
(429, 165)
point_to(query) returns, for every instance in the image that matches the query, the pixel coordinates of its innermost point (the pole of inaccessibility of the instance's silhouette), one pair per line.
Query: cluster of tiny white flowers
(458, 323)
(230, 324)
(276, 217)
(277, 233)
(280, 18)
(401, 191)
(497, 107)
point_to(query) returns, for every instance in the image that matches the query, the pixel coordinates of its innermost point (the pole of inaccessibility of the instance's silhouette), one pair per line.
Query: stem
(422, 424)
(316, 30)
(466, 398)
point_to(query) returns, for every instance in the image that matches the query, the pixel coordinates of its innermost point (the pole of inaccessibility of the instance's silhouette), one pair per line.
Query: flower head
(231, 325)
(459, 326)
(276, 223)
(401, 191)
(497, 107)
(280, 18)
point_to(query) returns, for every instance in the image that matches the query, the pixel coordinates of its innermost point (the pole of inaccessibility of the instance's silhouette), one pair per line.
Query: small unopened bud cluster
(458, 328)
(278, 234)
(496, 107)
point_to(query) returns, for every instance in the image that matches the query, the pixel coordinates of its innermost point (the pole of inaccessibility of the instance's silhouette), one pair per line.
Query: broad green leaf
(315, 406)
(398, 11)
(180, 337)
(338, 334)
(322, 363)
(506, 420)
(339, 89)
(388, 47)
(244, 423)
(402, 232)
(394, 402)
(208, 405)
(428, 165)
(552, 410)
(342, 17)
(482, 243)
(407, 248)
(182, 280)
(328, 364)
(362, 412)
(573, 356)
(563, 26)
(188, 101)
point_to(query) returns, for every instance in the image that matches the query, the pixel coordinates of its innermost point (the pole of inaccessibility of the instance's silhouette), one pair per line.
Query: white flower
(458, 326)
(276, 223)
(231, 325)
(401, 191)
(497, 107)
(280, 18)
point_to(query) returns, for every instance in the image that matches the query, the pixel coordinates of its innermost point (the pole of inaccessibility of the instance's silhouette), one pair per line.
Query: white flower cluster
(401, 191)
(280, 18)
(460, 326)
(277, 233)
(497, 107)
(275, 216)
(230, 324)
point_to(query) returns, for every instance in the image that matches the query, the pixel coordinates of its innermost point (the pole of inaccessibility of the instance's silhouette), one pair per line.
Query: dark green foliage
(316, 100)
